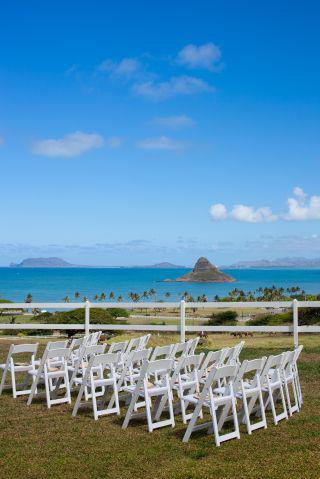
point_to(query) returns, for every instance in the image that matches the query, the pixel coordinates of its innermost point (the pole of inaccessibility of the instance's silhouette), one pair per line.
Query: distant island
(294, 263)
(164, 265)
(43, 263)
(204, 272)
(61, 263)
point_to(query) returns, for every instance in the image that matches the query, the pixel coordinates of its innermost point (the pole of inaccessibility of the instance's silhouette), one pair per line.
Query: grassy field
(39, 443)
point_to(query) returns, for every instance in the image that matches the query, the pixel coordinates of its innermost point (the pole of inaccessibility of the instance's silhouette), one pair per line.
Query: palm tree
(77, 295)
(28, 298)
(96, 297)
(145, 295)
(111, 295)
(66, 299)
(103, 296)
(120, 298)
(167, 294)
(153, 292)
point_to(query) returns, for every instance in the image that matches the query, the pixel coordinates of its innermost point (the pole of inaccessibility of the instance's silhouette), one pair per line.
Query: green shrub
(271, 319)
(308, 316)
(228, 318)
(118, 313)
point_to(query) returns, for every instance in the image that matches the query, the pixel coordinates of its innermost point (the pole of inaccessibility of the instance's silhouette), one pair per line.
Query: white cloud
(126, 68)
(299, 209)
(161, 143)
(182, 85)
(218, 211)
(251, 215)
(203, 56)
(114, 141)
(243, 213)
(174, 122)
(73, 144)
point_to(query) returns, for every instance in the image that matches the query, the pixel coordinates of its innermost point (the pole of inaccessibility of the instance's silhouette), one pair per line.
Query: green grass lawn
(39, 443)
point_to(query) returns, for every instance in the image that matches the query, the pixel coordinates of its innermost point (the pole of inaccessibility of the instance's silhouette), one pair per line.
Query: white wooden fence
(183, 306)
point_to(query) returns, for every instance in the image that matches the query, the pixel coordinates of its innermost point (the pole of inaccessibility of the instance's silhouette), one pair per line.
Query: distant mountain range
(60, 263)
(294, 263)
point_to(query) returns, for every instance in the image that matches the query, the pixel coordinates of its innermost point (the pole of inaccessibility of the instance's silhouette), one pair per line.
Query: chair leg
(78, 400)
(192, 422)
(3, 379)
(47, 388)
(13, 379)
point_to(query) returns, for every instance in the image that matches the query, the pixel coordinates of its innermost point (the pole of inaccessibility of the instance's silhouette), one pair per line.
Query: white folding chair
(212, 360)
(94, 378)
(52, 374)
(147, 391)
(187, 381)
(232, 354)
(12, 366)
(80, 366)
(288, 377)
(271, 382)
(212, 400)
(247, 387)
(298, 351)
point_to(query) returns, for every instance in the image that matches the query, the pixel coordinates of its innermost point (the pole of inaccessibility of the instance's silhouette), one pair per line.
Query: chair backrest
(57, 344)
(94, 349)
(161, 367)
(162, 352)
(232, 355)
(144, 341)
(298, 351)
(213, 359)
(56, 357)
(249, 370)
(179, 349)
(119, 347)
(193, 343)
(185, 363)
(93, 338)
(19, 349)
(134, 358)
(105, 360)
(272, 367)
(24, 348)
(217, 376)
(133, 345)
(76, 343)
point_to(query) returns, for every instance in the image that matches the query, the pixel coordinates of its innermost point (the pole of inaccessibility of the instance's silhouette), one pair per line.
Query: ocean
(49, 284)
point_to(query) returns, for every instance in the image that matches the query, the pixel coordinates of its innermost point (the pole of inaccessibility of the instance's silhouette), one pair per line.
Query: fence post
(87, 317)
(295, 323)
(182, 321)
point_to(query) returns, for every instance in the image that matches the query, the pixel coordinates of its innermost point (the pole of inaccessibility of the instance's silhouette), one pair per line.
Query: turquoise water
(54, 284)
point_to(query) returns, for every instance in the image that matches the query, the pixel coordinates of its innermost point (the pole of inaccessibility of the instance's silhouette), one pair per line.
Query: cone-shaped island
(204, 272)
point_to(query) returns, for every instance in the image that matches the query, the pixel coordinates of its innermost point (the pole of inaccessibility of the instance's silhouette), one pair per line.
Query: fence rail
(182, 327)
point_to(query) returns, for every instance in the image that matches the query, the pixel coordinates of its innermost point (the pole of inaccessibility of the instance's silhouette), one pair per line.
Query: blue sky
(137, 133)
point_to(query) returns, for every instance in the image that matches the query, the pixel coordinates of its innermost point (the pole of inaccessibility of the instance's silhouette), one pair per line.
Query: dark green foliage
(118, 312)
(227, 318)
(309, 316)
(271, 319)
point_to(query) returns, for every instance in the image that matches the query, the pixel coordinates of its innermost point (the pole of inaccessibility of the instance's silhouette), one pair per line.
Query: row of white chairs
(152, 379)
